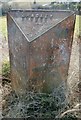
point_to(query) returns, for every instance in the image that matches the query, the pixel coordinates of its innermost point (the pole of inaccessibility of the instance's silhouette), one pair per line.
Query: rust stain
(43, 62)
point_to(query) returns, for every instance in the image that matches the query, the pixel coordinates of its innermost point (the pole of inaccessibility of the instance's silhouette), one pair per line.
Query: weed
(6, 69)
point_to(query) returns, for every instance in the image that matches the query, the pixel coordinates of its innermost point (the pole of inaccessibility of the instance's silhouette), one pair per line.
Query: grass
(37, 106)
(78, 25)
(3, 32)
(6, 69)
(3, 25)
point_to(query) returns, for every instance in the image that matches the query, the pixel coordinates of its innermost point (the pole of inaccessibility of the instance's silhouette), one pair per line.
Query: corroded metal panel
(19, 57)
(41, 64)
(50, 55)
(37, 22)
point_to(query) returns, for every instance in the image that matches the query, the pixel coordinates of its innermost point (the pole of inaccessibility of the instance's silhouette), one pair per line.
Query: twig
(68, 111)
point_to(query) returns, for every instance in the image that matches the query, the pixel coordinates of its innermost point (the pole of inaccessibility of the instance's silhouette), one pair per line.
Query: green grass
(78, 25)
(6, 69)
(3, 26)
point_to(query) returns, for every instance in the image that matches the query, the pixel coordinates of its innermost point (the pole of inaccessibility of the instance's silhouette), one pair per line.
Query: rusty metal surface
(49, 56)
(42, 64)
(37, 22)
(19, 56)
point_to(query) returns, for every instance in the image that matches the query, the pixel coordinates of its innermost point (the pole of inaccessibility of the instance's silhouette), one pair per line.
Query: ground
(74, 62)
